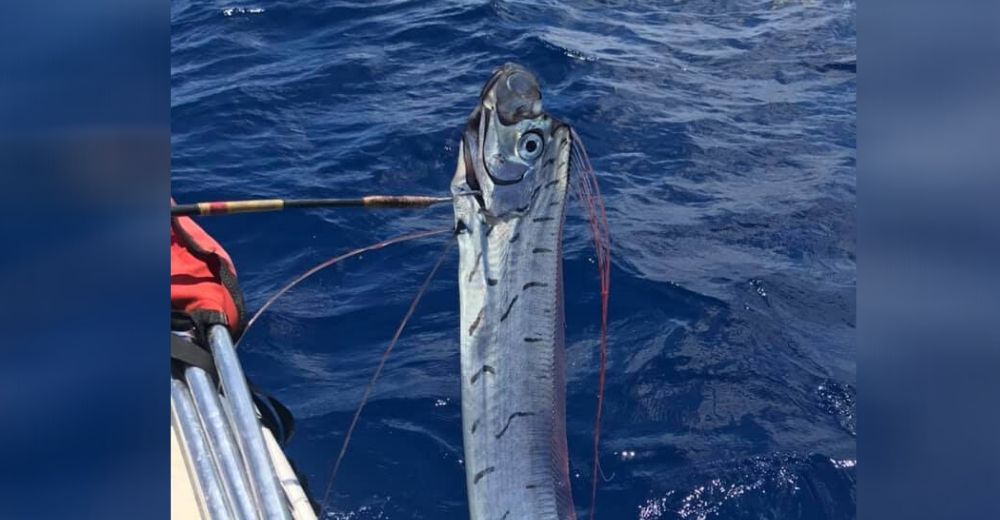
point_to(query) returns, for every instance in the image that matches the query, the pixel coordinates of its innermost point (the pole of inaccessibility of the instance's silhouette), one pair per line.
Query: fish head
(510, 145)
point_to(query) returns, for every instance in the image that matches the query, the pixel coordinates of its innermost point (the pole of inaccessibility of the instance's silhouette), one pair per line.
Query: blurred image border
(85, 163)
(928, 289)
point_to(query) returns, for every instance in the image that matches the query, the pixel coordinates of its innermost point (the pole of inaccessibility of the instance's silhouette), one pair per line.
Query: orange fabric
(196, 277)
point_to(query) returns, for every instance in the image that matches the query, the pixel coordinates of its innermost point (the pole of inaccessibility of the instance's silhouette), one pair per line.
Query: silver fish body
(511, 302)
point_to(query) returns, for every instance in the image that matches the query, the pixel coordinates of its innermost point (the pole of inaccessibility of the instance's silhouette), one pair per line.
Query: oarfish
(516, 157)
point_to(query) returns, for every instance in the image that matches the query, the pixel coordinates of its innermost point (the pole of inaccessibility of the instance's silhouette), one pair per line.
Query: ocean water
(723, 136)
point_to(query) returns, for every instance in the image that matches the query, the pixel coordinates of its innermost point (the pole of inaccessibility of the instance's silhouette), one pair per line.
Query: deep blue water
(723, 134)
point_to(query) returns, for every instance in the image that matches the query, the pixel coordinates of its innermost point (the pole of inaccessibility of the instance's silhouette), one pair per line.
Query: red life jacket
(203, 284)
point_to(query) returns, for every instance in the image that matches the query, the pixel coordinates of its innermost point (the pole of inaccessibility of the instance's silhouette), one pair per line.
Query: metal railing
(201, 462)
(226, 448)
(227, 455)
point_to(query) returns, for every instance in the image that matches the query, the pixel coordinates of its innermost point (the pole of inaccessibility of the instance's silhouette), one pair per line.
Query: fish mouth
(507, 140)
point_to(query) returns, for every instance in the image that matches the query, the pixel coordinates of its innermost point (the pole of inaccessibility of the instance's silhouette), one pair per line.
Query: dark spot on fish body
(491, 281)
(532, 340)
(505, 515)
(478, 320)
(535, 192)
(542, 219)
(515, 237)
(485, 370)
(541, 250)
(475, 425)
(551, 183)
(549, 162)
(511, 418)
(479, 476)
(534, 284)
(531, 486)
(475, 267)
(509, 307)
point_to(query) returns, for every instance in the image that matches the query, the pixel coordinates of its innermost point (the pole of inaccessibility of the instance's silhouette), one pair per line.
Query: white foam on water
(230, 11)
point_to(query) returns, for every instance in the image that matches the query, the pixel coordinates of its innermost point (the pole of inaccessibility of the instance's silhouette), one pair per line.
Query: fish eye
(530, 146)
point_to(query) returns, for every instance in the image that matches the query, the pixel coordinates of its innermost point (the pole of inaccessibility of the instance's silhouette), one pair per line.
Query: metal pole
(223, 446)
(263, 481)
(199, 458)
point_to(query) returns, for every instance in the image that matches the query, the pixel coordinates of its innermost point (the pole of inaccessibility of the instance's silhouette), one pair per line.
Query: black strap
(185, 353)
(274, 415)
